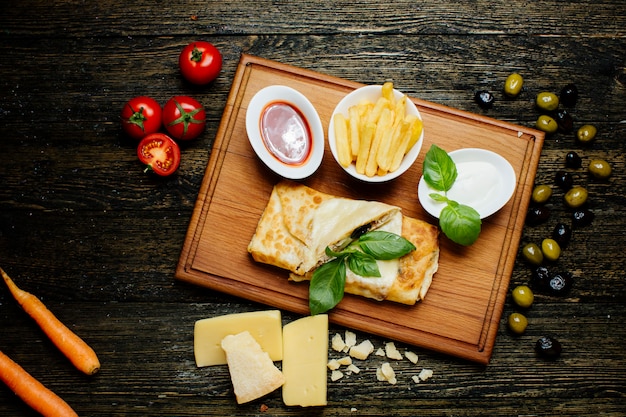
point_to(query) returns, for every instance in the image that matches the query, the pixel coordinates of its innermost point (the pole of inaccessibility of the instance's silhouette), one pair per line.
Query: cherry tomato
(200, 62)
(160, 153)
(184, 117)
(141, 116)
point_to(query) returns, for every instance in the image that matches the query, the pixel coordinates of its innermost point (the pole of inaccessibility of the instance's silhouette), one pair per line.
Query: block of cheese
(251, 370)
(265, 326)
(305, 356)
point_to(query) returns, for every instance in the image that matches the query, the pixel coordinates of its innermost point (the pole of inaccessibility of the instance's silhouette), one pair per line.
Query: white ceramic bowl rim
(486, 190)
(372, 93)
(257, 105)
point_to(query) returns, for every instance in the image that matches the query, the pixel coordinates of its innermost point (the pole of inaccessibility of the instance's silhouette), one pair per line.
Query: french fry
(387, 91)
(342, 142)
(367, 136)
(416, 132)
(402, 145)
(354, 123)
(382, 128)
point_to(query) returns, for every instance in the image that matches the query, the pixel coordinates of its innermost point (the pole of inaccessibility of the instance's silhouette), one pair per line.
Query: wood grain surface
(84, 228)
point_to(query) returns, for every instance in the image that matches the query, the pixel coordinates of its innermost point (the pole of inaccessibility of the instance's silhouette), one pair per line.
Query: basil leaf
(438, 197)
(363, 264)
(439, 169)
(327, 286)
(460, 223)
(384, 245)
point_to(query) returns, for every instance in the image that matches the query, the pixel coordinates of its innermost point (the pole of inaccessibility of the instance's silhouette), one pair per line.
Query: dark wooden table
(83, 227)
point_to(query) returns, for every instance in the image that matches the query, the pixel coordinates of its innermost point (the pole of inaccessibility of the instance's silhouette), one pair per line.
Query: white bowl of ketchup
(285, 131)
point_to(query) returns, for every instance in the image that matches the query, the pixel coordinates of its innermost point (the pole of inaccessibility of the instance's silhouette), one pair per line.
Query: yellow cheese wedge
(264, 326)
(305, 354)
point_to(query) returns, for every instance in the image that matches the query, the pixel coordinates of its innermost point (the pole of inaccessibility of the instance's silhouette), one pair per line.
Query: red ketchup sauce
(286, 133)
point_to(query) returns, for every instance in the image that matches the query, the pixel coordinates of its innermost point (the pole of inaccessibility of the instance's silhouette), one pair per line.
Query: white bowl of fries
(375, 133)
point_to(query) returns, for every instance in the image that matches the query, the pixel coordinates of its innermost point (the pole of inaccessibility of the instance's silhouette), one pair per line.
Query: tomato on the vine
(200, 62)
(141, 116)
(184, 117)
(160, 153)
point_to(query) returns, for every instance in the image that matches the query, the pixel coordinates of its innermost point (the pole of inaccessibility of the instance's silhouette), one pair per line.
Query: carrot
(77, 351)
(31, 391)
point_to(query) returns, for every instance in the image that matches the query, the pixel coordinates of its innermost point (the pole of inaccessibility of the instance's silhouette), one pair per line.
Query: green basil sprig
(460, 223)
(328, 282)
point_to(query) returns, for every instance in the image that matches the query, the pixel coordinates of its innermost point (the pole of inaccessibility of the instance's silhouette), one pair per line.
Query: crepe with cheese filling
(299, 222)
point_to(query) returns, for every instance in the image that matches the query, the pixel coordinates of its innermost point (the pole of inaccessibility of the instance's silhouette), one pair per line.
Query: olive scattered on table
(547, 101)
(550, 249)
(600, 169)
(560, 283)
(546, 124)
(523, 296)
(513, 85)
(537, 215)
(532, 254)
(569, 95)
(582, 218)
(564, 180)
(572, 160)
(540, 278)
(541, 193)
(576, 196)
(484, 99)
(564, 120)
(562, 234)
(586, 134)
(517, 323)
(548, 347)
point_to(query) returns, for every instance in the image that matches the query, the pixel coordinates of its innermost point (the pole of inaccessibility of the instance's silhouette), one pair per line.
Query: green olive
(586, 133)
(541, 193)
(547, 101)
(532, 253)
(600, 169)
(517, 323)
(547, 124)
(550, 249)
(513, 85)
(523, 296)
(576, 196)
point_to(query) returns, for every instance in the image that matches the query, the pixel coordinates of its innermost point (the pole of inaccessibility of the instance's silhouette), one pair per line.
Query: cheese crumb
(333, 364)
(338, 344)
(336, 375)
(416, 379)
(350, 340)
(392, 352)
(425, 374)
(411, 356)
(362, 350)
(346, 360)
(386, 373)
(353, 368)
(380, 352)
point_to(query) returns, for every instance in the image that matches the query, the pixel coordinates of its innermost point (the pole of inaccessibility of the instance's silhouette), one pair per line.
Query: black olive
(582, 218)
(564, 120)
(537, 215)
(564, 180)
(484, 99)
(562, 234)
(548, 347)
(572, 160)
(540, 278)
(360, 231)
(560, 283)
(569, 95)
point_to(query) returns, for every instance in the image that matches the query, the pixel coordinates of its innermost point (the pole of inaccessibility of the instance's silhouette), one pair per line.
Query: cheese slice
(264, 326)
(251, 370)
(305, 355)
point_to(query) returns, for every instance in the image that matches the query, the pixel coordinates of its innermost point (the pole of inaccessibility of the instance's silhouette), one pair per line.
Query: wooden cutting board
(463, 307)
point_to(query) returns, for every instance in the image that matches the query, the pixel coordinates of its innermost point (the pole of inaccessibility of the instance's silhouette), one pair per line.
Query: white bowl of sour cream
(285, 131)
(486, 181)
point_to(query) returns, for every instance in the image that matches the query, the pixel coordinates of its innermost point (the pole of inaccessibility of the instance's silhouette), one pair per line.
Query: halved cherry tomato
(159, 153)
(184, 117)
(141, 116)
(200, 62)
